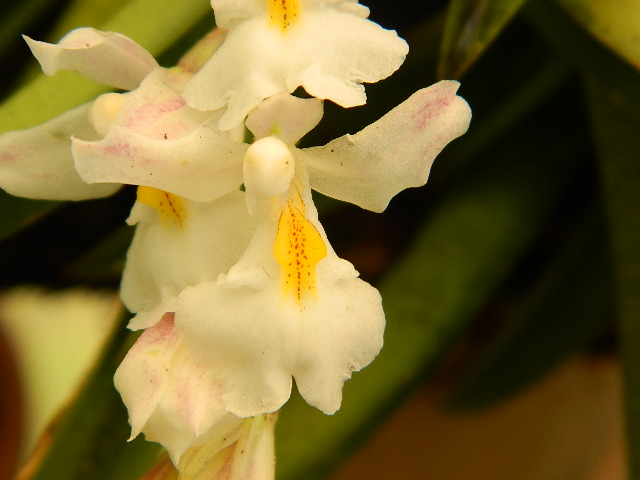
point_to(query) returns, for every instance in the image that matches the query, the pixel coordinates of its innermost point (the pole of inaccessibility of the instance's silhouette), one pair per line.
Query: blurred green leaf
(463, 252)
(567, 309)
(155, 24)
(533, 88)
(614, 22)
(16, 17)
(616, 123)
(470, 28)
(104, 262)
(580, 49)
(88, 440)
(19, 212)
(84, 13)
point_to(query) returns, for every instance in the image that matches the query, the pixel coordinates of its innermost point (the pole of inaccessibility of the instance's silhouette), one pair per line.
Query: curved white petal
(106, 57)
(170, 397)
(156, 140)
(233, 331)
(391, 154)
(247, 68)
(37, 162)
(178, 438)
(169, 254)
(249, 457)
(287, 117)
(327, 50)
(141, 378)
(157, 110)
(347, 49)
(200, 166)
(343, 334)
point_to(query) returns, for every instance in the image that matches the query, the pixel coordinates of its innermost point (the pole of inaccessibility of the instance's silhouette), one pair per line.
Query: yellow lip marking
(282, 13)
(171, 208)
(298, 249)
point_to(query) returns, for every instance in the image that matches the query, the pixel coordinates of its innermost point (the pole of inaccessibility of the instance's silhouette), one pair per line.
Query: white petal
(165, 258)
(157, 140)
(193, 395)
(247, 68)
(199, 166)
(328, 51)
(249, 457)
(105, 57)
(171, 398)
(341, 335)
(393, 153)
(157, 110)
(205, 450)
(287, 117)
(37, 162)
(141, 378)
(236, 332)
(347, 50)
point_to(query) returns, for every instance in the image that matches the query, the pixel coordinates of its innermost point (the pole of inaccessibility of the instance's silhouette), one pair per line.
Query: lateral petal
(200, 166)
(105, 57)
(37, 162)
(393, 153)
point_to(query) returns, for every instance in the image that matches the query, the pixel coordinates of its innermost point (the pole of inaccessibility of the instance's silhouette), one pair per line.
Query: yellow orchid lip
(282, 13)
(171, 208)
(298, 248)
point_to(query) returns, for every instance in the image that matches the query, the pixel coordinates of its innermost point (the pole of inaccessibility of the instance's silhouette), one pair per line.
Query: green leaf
(580, 49)
(88, 440)
(82, 13)
(616, 123)
(46, 97)
(614, 23)
(470, 28)
(567, 309)
(15, 18)
(460, 256)
(19, 212)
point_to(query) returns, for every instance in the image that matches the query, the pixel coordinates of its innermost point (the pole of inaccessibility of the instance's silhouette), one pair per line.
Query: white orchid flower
(37, 162)
(129, 138)
(178, 243)
(290, 308)
(176, 401)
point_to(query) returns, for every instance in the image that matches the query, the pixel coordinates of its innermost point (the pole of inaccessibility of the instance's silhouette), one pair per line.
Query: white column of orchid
(237, 289)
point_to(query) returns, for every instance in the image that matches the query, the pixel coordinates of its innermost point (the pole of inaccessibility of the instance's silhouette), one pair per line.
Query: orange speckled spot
(171, 208)
(298, 249)
(282, 13)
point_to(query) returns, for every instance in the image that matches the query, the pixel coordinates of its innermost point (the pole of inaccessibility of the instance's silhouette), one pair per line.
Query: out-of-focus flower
(147, 136)
(326, 46)
(37, 162)
(243, 453)
(177, 401)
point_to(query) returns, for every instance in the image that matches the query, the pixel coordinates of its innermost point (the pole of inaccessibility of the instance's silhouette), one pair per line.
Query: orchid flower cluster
(230, 274)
